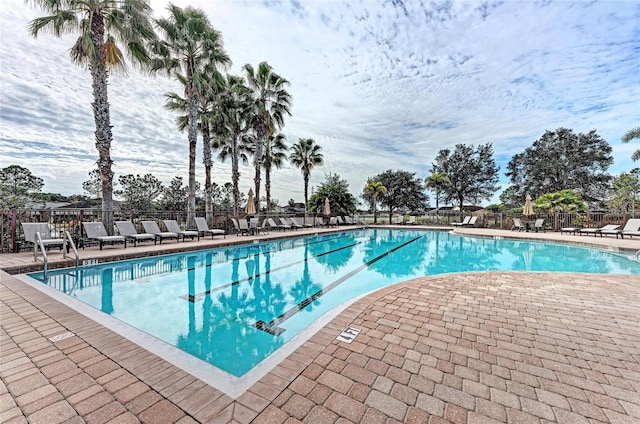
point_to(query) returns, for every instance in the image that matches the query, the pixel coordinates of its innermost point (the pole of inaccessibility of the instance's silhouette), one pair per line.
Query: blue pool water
(234, 306)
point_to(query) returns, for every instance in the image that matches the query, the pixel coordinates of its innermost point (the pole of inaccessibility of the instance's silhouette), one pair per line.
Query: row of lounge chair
(468, 221)
(631, 228)
(537, 226)
(127, 232)
(243, 227)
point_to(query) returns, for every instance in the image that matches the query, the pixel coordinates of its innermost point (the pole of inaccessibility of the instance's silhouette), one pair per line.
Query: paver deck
(482, 347)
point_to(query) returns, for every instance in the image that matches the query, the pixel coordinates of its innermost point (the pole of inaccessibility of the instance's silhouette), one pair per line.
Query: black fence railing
(60, 220)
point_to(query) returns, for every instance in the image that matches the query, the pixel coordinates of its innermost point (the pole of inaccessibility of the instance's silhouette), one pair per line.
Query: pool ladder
(39, 245)
(638, 256)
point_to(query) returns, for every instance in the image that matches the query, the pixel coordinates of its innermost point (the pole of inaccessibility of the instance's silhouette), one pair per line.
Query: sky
(377, 84)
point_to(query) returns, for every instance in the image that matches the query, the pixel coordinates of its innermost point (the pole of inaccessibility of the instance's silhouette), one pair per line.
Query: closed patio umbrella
(528, 207)
(251, 207)
(326, 209)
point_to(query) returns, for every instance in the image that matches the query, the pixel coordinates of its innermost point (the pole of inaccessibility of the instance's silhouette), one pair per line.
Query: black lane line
(272, 328)
(196, 297)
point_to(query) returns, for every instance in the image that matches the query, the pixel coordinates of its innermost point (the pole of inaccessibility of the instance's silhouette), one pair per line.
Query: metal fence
(60, 220)
(12, 237)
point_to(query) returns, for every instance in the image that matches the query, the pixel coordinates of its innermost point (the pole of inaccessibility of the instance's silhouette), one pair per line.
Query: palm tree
(437, 182)
(633, 134)
(271, 103)
(191, 49)
(232, 128)
(376, 188)
(99, 24)
(213, 85)
(306, 155)
(275, 154)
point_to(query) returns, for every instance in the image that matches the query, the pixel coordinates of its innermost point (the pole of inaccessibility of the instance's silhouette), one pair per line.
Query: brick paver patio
(463, 348)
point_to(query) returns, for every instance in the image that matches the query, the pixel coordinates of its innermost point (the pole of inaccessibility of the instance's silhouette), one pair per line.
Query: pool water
(234, 306)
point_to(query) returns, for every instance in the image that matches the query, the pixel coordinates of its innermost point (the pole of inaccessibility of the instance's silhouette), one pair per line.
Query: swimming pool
(234, 306)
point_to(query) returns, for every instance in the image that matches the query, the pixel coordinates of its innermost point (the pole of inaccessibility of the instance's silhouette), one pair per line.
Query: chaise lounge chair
(151, 227)
(284, 224)
(472, 222)
(203, 227)
(128, 230)
(96, 231)
(295, 223)
(518, 225)
(595, 231)
(464, 222)
(172, 226)
(631, 228)
(31, 228)
(573, 230)
(241, 226)
(539, 225)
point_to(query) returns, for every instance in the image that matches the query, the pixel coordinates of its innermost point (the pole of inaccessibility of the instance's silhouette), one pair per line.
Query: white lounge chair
(293, 222)
(412, 220)
(203, 227)
(151, 227)
(539, 225)
(596, 231)
(284, 224)
(631, 228)
(298, 223)
(518, 225)
(31, 228)
(172, 226)
(472, 222)
(572, 230)
(272, 224)
(397, 220)
(96, 231)
(464, 222)
(128, 230)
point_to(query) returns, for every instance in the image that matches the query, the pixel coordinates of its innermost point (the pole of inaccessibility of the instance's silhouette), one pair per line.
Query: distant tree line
(562, 171)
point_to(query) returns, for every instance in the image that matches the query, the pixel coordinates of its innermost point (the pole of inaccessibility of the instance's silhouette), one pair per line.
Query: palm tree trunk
(257, 163)
(437, 207)
(306, 188)
(101, 116)
(235, 174)
(192, 98)
(208, 163)
(375, 215)
(267, 184)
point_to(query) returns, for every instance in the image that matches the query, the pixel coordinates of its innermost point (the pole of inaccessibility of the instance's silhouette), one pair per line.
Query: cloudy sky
(378, 84)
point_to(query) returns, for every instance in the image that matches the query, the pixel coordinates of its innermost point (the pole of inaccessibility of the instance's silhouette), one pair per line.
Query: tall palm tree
(213, 84)
(275, 154)
(271, 102)
(99, 24)
(306, 155)
(437, 182)
(190, 49)
(232, 128)
(633, 134)
(375, 188)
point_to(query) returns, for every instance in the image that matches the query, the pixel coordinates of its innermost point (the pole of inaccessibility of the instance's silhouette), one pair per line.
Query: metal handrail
(66, 238)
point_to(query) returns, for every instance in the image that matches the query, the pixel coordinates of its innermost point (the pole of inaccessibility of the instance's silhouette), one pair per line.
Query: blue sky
(379, 85)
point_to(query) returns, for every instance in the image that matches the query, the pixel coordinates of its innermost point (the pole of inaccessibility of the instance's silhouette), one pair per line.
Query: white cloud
(378, 85)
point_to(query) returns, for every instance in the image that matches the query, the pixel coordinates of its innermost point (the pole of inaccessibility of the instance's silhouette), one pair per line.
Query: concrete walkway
(469, 347)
